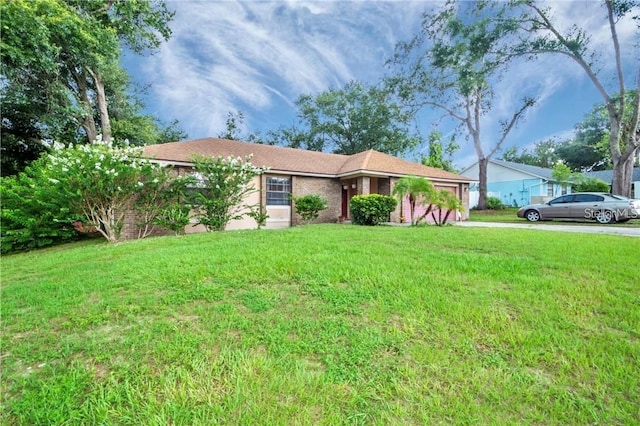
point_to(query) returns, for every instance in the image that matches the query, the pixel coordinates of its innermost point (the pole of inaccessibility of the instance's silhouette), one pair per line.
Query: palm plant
(445, 200)
(418, 189)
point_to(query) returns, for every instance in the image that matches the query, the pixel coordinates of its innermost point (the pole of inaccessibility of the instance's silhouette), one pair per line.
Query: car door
(584, 206)
(558, 208)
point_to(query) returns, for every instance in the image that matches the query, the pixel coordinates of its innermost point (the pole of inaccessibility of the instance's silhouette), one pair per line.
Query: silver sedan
(601, 207)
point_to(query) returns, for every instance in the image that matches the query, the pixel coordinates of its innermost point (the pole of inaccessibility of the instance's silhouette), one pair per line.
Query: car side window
(588, 198)
(561, 200)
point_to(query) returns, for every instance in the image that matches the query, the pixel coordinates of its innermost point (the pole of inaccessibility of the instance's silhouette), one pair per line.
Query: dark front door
(345, 203)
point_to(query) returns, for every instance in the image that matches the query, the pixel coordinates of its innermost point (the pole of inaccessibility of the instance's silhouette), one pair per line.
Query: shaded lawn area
(325, 324)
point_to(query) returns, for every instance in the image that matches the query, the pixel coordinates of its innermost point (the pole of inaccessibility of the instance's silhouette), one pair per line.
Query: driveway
(591, 229)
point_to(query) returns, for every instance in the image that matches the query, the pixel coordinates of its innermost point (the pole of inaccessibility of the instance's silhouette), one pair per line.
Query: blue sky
(257, 57)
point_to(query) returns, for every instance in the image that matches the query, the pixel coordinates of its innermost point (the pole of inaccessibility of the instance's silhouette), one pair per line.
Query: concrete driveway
(585, 229)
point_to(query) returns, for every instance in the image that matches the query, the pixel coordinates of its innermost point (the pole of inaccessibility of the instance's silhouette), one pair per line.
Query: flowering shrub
(222, 189)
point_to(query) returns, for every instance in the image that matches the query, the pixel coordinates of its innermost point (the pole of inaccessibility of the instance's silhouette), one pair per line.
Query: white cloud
(258, 57)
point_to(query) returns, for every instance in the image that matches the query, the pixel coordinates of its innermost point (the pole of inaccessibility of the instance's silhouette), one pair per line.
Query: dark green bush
(371, 209)
(309, 206)
(494, 203)
(590, 184)
(33, 215)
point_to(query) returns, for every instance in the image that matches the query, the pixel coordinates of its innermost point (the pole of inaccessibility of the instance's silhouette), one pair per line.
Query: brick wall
(330, 189)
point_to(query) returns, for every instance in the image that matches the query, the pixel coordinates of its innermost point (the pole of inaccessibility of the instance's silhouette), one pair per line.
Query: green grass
(508, 215)
(325, 324)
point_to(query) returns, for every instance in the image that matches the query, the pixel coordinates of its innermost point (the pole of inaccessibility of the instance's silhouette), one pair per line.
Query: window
(562, 200)
(549, 190)
(278, 190)
(587, 198)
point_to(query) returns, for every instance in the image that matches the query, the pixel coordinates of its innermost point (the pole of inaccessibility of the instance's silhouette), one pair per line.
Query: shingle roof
(293, 160)
(525, 168)
(607, 175)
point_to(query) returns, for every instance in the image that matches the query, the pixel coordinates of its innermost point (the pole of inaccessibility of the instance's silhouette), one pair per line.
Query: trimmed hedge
(371, 209)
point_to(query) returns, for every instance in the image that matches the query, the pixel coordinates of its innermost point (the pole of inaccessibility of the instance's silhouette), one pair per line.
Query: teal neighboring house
(516, 184)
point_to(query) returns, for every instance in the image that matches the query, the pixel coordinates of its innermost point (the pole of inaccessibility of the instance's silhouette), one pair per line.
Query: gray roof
(525, 168)
(607, 175)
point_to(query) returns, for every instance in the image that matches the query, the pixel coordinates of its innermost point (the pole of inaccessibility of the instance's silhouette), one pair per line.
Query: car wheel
(532, 216)
(605, 217)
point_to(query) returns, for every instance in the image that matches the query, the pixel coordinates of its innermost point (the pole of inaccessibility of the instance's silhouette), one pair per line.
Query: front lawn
(325, 324)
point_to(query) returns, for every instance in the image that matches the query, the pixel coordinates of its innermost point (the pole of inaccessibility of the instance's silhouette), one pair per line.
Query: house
(607, 176)
(299, 172)
(516, 184)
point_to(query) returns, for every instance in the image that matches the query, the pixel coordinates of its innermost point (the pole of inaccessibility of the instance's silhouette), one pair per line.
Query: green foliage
(100, 182)
(371, 209)
(453, 64)
(309, 206)
(418, 189)
(61, 73)
(33, 214)
(161, 202)
(544, 154)
(233, 129)
(94, 184)
(444, 203)
(350, 120)
(436, 157)
(590, 184)
(494, 203)
(174, 217)
(259, 214)
(538, 32)
(222, 190)
(561, 173)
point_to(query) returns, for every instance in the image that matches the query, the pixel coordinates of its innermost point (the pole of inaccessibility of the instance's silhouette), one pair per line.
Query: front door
(345, 202)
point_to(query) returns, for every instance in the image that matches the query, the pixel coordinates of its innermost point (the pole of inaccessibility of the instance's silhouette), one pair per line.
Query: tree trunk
(482, 184)
(101, 98)
(622, 175)
(88, 123)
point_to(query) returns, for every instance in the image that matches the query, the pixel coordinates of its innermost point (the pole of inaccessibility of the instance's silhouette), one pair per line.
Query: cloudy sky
(257, 57)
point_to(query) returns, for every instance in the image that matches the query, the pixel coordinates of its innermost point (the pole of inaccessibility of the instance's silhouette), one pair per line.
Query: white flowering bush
(220, 194)
(100, 182)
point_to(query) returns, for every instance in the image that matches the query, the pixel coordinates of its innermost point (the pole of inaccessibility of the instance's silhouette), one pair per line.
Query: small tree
(161, 202)
(418, 189)
(173, 217)
(445, 203)
(259, 214)
(371, 209)
(224, 184)
(100, 182)
(309, 206)
(562, 173)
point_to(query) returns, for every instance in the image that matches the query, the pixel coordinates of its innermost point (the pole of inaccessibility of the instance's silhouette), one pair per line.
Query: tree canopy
(451, 65)
(352, 119)
(538, 32)
(61, 73)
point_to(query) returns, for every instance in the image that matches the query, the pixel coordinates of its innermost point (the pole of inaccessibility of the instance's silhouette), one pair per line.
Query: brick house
(300, 172)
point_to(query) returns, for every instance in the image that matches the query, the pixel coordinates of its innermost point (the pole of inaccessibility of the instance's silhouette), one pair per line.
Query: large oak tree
(452, 65)
(540, 33)
(61, 73)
